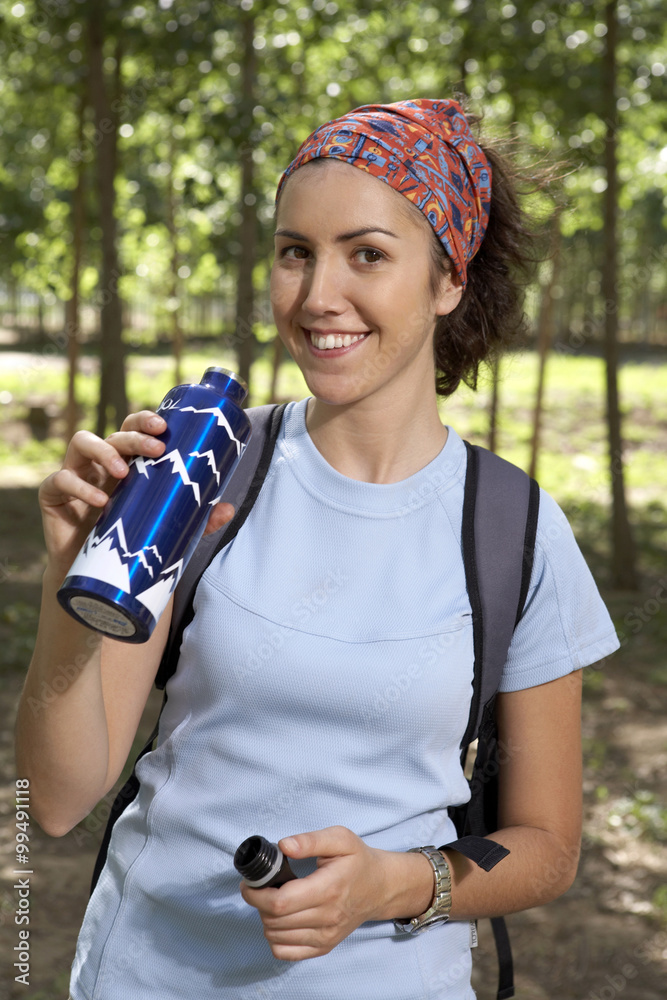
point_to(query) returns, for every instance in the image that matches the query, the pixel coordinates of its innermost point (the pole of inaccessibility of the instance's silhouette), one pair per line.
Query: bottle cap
(233, 386)
(257, 860)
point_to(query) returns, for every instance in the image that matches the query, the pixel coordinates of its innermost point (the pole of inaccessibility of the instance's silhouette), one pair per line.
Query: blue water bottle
(123, 577)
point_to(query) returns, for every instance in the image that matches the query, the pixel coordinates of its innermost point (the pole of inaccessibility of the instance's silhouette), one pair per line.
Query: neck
(377, 443)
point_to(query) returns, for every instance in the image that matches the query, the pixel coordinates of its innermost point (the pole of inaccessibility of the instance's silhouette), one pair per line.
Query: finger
(290, 953)
(296, 946)
(300, 897)
(278, 910)
(293, 923)
(221, 514)
(331, 841)
(135, 443)
(326, 936)
(86, 448)
(65, 485)
(145, 420)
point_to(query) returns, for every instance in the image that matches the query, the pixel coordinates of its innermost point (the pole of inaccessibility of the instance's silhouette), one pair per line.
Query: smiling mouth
(330, 341)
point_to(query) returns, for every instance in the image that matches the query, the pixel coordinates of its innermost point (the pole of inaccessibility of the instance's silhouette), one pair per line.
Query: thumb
(330, 842)
(221, 514)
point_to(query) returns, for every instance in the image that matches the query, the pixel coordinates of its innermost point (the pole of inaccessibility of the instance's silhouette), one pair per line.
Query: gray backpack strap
(241, 491)
(500, 512)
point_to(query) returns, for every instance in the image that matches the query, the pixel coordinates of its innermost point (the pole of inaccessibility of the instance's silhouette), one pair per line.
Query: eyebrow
(342, 238)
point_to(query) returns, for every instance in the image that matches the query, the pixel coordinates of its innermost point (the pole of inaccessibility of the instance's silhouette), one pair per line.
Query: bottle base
(103, 614)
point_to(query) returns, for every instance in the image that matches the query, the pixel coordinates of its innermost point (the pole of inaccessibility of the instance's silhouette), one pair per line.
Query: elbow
(560, 870)
(54, 817)
(51, 822)
(53, 828)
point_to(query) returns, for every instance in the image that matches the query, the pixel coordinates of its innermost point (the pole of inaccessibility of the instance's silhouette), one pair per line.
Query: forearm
(62, 743)
(539, 868)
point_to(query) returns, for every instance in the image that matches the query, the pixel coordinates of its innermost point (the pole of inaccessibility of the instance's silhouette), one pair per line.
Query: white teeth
(331, 340)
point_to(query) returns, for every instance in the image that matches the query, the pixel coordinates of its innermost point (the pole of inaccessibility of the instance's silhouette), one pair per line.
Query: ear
(449, 295)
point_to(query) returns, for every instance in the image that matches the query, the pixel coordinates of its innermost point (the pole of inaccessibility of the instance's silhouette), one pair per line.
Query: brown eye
(370, 256)
(294, 253)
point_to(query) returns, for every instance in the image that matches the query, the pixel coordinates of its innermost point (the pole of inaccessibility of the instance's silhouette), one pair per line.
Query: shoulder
(565, 624)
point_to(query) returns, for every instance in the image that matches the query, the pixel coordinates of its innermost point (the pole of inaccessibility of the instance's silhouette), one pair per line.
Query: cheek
(414, 306)
(284, 293)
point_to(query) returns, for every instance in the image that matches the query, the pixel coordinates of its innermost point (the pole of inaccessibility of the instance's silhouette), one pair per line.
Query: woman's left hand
(309, 916)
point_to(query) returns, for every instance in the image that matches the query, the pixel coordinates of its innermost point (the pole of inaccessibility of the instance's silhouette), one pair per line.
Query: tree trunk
(176, 328)
(72, 331)
(41, 332)
(112, 405)
(244, 336)
(545, 336)
(623, 551)
(12, 307)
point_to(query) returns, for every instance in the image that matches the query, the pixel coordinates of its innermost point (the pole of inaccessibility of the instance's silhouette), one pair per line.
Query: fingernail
(118, 466)
(156, 422)
(290, 844)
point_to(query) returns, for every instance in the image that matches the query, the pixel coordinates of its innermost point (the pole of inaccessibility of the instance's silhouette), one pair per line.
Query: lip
(335, 352)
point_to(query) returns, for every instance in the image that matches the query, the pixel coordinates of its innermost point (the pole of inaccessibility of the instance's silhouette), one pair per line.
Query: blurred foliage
(20, 621)
(531, 68)
(640, 815)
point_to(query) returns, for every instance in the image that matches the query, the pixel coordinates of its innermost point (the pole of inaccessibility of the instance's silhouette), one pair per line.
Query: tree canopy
(174, 75)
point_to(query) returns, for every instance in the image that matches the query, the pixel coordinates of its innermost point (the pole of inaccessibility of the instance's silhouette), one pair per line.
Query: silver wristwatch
(438, 911)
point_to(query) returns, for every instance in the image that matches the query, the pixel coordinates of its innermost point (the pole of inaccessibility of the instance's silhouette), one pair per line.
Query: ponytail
(490, 315)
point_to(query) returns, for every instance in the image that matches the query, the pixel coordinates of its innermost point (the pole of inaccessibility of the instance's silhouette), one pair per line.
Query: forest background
(140, 146)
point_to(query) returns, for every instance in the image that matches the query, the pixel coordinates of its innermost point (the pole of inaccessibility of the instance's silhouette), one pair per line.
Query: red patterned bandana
(424, 149)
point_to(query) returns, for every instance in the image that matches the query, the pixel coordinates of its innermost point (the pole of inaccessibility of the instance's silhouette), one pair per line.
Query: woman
(385, 294)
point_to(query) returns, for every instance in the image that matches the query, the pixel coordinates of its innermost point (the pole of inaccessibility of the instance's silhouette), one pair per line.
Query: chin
(333, 391)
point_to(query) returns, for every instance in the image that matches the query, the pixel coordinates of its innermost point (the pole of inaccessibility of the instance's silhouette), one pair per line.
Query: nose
(324, 290)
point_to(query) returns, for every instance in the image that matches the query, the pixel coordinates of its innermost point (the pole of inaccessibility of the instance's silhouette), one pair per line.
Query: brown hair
(490, 315)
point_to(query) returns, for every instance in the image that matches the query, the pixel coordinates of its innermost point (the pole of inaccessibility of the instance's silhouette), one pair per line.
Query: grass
(573, 459)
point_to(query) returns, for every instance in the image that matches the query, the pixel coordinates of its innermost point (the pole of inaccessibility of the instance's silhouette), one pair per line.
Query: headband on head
(425, 150)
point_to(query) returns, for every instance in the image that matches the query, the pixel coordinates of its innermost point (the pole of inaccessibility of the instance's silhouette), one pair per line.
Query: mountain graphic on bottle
(191, 473)
(128, 567)
(108, 558)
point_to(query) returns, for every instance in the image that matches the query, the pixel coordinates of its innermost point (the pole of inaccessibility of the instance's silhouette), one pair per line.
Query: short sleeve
(565, 625)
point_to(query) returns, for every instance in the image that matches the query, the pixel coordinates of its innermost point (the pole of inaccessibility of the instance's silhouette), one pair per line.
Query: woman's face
(350, 285)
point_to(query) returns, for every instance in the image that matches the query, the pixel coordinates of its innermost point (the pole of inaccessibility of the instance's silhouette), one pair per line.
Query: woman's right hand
(71, 498)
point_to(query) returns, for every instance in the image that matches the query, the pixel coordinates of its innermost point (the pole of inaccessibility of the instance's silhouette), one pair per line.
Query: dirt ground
(606, 938)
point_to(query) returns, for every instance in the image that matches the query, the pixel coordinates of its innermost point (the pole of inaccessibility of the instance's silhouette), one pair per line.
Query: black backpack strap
(242, 491)
(505, 963)
(126, 795)
(485, 853)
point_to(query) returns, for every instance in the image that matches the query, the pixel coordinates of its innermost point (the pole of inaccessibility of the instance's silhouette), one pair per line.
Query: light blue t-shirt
(326, 679)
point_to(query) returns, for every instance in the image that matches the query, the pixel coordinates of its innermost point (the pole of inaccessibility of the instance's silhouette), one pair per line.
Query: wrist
(56, 622)
(438, 910)
(55, 571)
(409, 885)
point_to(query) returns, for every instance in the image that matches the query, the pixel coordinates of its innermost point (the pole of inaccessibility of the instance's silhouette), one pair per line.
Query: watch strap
(438, 911)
